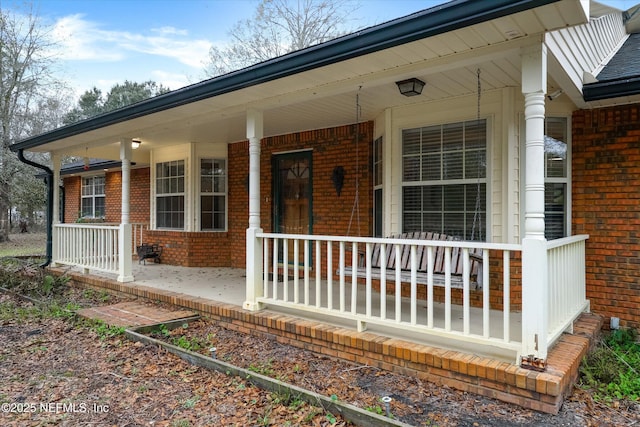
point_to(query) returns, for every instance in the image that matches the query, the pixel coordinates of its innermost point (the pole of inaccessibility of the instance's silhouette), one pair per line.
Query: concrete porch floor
(219, 293)
(227, 285)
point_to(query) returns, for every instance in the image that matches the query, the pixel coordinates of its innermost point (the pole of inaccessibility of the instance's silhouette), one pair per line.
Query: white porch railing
(567, 283)
(90, 246)
(315, 281)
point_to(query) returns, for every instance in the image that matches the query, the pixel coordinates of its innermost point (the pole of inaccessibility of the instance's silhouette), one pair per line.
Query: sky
(105, 42)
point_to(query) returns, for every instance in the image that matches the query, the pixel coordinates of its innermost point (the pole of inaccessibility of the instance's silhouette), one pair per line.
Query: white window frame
(93, 196)
(444, 182)
(561, 180)
(378, 184)
(183, 193)
(223, 193)
(549, 180)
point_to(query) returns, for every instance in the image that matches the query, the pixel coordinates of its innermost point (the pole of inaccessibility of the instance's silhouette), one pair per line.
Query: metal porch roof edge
(447, 17)
(611, 88)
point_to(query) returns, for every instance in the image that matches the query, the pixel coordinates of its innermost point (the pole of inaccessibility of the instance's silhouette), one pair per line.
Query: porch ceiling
(326, 96)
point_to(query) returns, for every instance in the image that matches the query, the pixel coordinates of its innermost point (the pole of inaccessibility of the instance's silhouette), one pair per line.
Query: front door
(292, 175)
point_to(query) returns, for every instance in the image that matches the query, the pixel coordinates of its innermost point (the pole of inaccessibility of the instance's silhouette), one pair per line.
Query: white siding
(587, 47)
(449, 111)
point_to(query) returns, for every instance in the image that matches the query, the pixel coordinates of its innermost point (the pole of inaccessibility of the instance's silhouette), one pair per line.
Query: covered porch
(329, 278)
(475, 141)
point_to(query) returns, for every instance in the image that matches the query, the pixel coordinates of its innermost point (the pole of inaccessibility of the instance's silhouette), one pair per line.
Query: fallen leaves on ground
(56, 372)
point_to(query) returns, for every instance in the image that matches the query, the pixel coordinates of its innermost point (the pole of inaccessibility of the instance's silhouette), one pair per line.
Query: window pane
(411, 221)
(452, 136)
(431, 221)
(206, 221)
(219, 221)
(411, 141)
(170, 212)
(454, 198)
(554, 207)
(555, 147)
(454, 225)
(87, 208)
(431, 139)
(475, 164)
(219, 204)
(99, 206)
(411, 199)
(450, 159)
(432, 198)
(206, 203)
(411, 169)
(431, 167)
(475, 135)
(377, 212)
(377, 162)
(206, 184)
(219, 184)
(452, 165)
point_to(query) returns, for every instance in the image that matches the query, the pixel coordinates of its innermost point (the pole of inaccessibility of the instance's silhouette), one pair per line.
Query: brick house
(522, 145)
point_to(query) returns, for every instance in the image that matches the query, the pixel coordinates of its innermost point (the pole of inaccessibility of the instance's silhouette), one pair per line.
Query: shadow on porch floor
(219, 294)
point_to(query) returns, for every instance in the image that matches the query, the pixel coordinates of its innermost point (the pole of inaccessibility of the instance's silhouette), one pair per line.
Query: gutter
(437, 20)
(49, 180)
(611, 89)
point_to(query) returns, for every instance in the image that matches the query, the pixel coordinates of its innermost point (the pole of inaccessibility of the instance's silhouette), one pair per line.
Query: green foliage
(611, 370)
(375, 409)
(331, 418)
(191, 402)
(104, 330)
(263, 368)
(163, 330)
(93, 103)
(191, 344)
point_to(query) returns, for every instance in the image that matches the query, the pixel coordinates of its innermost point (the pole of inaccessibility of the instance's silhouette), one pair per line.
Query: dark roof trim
(430, 22)
(94, 165)
(611, 89)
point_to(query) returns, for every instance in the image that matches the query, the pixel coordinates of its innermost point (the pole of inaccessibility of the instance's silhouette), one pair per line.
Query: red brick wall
(113, 196)
(330, 147)
(331, 213)
(139, 196)
(238, 202)
(192, 249)
(72, 187)
(606, 205)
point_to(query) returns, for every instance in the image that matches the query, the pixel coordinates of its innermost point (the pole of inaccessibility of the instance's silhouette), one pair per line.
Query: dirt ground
(56, 371)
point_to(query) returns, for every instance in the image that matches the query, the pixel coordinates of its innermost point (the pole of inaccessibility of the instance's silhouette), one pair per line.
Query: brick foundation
(541, 391)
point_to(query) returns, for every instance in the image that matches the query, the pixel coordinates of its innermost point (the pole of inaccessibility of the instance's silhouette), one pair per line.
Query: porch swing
(456, 278)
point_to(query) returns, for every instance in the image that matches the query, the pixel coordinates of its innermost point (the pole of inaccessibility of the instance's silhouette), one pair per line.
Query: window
(444, 179)
(377, 187)
(92, 197)
(555, 175)
(170, 194)
(213, 194)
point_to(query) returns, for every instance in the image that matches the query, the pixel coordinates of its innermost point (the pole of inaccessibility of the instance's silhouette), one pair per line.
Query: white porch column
(534, 245)
(254, 248)
(56, 159)
(125, 252)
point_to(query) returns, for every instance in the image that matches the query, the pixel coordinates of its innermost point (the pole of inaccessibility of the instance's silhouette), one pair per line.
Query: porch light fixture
(135, 143)
(410, 87)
